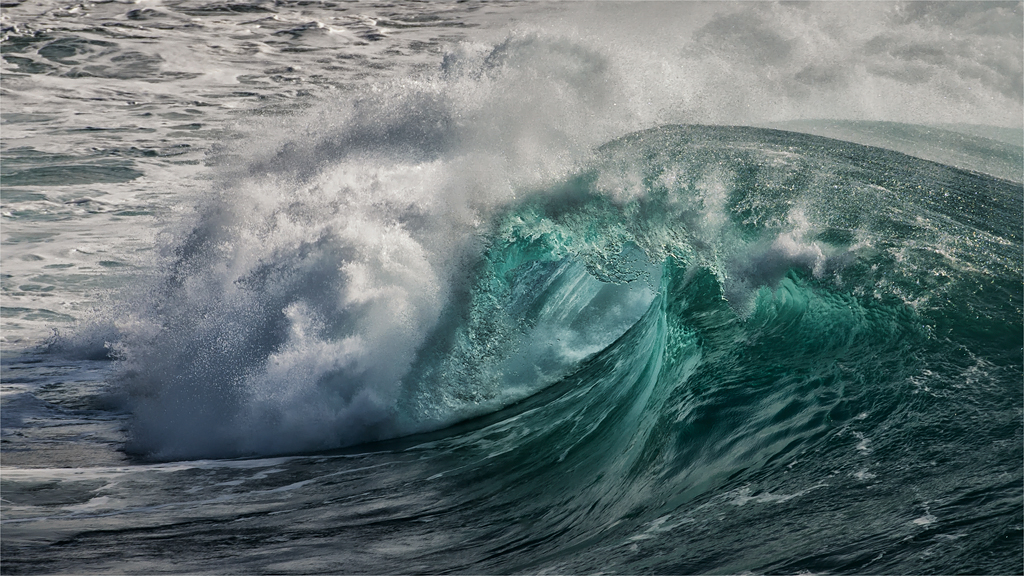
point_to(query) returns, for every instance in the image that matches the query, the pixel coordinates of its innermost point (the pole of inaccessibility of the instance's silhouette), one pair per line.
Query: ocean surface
(640, 288)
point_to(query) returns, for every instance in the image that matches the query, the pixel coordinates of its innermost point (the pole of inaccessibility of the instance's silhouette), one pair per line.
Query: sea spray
(299, 296)
(728, 328)
(357, 324)
(337, 284)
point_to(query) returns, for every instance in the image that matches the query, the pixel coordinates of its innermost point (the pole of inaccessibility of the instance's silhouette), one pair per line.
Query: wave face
(702, 328)
(751, 265)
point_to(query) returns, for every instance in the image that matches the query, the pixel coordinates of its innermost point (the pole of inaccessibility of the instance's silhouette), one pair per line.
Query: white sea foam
(286, 309)
(300, 294)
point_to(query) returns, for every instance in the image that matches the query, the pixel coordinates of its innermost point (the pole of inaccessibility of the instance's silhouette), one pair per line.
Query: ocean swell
(443, 248)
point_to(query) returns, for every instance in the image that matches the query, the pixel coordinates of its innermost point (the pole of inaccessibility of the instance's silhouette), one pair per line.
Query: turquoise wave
(788, 253)
(709, 349)
(873, 341)
(730, 260)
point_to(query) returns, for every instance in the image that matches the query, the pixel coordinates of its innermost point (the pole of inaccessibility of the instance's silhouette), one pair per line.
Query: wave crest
(441, 248)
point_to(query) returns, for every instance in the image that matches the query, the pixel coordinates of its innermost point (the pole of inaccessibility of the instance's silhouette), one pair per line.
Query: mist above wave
(298, 297)
(334, 245)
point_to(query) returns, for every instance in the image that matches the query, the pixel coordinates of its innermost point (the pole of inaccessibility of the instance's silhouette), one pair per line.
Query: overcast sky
(760, 61)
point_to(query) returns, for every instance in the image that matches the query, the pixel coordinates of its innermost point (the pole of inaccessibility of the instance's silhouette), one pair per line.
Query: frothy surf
(381, 296)
(536, 301)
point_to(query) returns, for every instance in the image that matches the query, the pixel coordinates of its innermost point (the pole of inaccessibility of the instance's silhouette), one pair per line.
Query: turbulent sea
(318, 287)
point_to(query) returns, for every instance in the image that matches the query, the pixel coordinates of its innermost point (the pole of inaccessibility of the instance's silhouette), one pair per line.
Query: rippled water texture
(296, 287)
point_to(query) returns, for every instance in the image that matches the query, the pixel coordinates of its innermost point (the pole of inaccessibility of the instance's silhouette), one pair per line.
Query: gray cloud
(915, 54)
(829, 75)
(984, 18)
(907, 72)
(745, 35)
(756, 61)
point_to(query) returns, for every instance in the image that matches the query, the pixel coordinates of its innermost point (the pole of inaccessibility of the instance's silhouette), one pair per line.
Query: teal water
(295, 288)
(811, 361)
